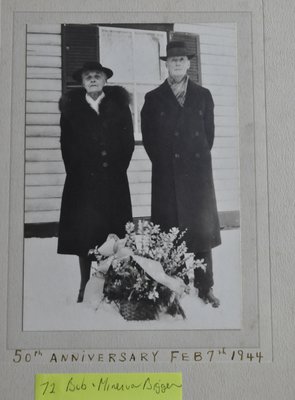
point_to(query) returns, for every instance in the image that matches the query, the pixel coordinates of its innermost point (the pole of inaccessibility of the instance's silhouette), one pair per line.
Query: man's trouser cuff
(204, 279)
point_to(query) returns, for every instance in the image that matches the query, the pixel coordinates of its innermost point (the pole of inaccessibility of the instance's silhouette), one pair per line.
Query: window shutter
(79, 45)
(193, 44)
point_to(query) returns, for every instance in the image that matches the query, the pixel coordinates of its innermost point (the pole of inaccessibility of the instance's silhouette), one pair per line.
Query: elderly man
(178, 132)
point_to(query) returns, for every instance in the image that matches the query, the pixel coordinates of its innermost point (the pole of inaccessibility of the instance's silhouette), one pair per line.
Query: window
(133, 55)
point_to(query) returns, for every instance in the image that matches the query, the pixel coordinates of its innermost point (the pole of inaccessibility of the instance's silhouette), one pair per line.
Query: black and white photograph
(147, 188)
(132, 177)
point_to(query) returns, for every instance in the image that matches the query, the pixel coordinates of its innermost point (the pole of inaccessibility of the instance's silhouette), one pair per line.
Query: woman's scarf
(94, 103)
(179, 88)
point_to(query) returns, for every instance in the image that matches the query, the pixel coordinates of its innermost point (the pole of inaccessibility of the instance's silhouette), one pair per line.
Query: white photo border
(256, 331)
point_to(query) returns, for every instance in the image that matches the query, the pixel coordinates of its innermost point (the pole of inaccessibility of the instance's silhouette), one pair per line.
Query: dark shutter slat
(79, 45)
(193, 44)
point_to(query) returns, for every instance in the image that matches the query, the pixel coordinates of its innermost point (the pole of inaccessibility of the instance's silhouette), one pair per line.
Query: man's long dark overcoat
(96, 150)
(178, 141)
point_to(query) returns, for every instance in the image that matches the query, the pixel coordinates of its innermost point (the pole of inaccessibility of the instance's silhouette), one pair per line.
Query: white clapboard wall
(45, 174)
(218, 53)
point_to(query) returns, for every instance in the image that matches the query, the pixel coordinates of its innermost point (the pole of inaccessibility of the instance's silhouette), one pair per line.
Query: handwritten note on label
(131, 386)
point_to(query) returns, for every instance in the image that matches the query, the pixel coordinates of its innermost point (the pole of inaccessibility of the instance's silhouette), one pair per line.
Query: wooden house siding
(44, 171)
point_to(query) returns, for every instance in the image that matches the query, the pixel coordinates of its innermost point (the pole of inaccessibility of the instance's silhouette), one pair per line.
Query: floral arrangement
(128, 283)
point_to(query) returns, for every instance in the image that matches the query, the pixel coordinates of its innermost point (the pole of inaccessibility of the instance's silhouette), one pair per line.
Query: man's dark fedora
(177, 49)
(91, 66)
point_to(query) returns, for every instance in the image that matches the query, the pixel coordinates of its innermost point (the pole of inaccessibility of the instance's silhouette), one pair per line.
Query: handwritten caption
(125, 386)
(171, 356)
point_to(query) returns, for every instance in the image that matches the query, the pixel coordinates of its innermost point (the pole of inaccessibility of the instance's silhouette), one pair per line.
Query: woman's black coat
(96, 150)
(178, 141)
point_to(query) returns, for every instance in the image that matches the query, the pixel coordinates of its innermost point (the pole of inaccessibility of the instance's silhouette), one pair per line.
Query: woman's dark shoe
(80, 296)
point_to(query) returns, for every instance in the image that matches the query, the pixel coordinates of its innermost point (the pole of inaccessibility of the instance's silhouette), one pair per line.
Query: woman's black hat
(91, 66)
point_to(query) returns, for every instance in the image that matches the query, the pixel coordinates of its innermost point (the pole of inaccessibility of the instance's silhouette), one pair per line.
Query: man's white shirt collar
(94, 103)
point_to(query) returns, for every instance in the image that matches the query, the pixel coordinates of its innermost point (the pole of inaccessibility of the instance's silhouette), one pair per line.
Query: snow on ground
(51, 283)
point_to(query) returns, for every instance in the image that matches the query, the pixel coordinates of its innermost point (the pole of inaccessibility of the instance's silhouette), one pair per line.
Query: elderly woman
(97, 144)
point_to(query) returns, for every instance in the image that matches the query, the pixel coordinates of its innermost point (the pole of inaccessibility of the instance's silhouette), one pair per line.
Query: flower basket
(147, 271)
(137, 310)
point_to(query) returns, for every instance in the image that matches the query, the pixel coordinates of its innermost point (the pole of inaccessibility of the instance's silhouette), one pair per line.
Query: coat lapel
(168, 96)
(193, 98)
(188, 96)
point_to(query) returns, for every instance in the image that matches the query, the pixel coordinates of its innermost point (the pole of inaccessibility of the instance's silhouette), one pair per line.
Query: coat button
(197, 133)
(176, 155)
(103, 153)
(197, 155)
(105, 164)
(162, 113)
(200, 112)
(176, 133)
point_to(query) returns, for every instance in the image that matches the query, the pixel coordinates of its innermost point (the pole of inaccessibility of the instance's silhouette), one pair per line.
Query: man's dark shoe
(209, 298)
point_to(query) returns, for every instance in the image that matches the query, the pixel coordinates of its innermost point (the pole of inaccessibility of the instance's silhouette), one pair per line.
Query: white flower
(200, 264)
(154, 294)
(174, 231)
(130, 227)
